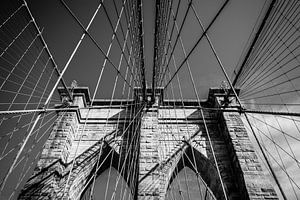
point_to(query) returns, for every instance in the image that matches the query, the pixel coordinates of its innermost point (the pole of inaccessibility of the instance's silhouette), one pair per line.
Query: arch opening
(187, 185)
(199, 167)
(109, 185)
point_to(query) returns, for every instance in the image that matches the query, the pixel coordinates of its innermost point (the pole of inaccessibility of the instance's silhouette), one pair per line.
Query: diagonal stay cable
(198, 41)
(283, 167)
(166, 50)
(60, 74)
(201, 110)
(86, 32)
(254, 41)
(264, 42)
(275, 39)
(237, 98)
(176, 40)
(117, 38)
(163, 32)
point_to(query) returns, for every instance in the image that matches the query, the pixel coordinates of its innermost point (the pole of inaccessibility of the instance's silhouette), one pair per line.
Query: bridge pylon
(149, 142)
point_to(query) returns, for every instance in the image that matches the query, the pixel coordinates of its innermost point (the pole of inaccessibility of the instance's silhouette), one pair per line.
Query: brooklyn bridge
(150, 100)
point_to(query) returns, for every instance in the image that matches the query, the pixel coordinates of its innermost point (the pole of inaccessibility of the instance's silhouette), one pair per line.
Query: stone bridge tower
(168, 134)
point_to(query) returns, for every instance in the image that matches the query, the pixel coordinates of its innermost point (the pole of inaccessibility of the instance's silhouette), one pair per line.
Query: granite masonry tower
(169, 134)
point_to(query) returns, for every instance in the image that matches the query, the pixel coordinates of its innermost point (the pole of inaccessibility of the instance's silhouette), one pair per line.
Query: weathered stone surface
(255, 182)
(163, 141)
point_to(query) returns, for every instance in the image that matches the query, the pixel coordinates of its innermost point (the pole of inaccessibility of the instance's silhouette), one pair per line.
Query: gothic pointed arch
(203, 168)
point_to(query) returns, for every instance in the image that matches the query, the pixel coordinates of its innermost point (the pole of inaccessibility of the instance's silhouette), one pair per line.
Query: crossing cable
(254, 41)
(237, 98)
(32, 92)
(285, 138)
(136, 153)
(194, 165)
(280, 113)
(100, 76)
(136, 146)
(155, 48)
(37, 90)
(97, 85)
(86, 32)
(99, 165)
(180, 91)
(250, 38)
(272, 95)
(160, 42)
(34, 143)
(274, 70)
(294, 121)
(129, 22)
(141, 47)
(278, 36)
(31, 95)
(130, 27)
(134, 163)
(19, 34)
(91, 178)
(250, 93)
(283, 132)
(176, 40)
(112, 96)
(45, 110)
(162, 23)
(273, 141)
(201, 111)
(121, 169)
(17, 146)
(161, 114)
(288, 118)
(275, 160)
(19, 60)
(60, 74)
(275, 41)
(284, 170)
(134, 33)
(264, 34)
(128, 96)
(283, 44)
(140, 40)
(4, 154)
(164, 51)
(11, 72)
(121, 148)
(198, 41)
(136, 127)
(171, 34)
(19, 78)
(125, 130)
(277, 145)
(36, 140)
(178, 131)
(175, 23)
(25, 140)
(156, 75)
(179, 83)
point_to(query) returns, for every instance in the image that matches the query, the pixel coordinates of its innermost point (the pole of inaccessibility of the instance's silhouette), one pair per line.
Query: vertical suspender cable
(236, 96)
